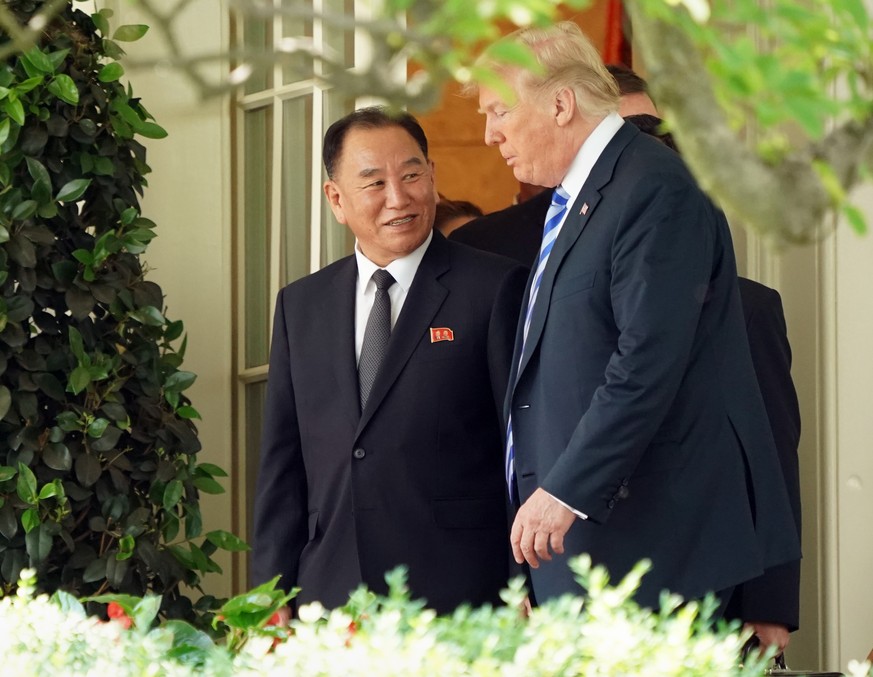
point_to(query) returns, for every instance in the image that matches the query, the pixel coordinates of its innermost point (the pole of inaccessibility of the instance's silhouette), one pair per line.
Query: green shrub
(99, 477)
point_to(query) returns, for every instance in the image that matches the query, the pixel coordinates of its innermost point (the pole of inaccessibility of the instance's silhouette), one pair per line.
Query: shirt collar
(589, 153)
(402, 270)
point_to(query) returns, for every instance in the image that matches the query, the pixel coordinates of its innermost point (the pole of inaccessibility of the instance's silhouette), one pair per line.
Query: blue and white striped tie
(550, 234)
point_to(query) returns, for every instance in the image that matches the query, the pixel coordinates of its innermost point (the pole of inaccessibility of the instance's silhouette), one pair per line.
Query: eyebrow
(372, 171)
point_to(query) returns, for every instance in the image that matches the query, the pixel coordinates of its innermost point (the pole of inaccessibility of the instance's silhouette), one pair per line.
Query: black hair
(649, 124)
(628, 81)
(373, 117)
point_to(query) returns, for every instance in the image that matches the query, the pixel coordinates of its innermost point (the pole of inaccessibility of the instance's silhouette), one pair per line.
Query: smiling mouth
(400, 222)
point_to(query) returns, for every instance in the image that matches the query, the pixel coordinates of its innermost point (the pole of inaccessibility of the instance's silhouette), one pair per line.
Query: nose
(396, 194)
(492, 136)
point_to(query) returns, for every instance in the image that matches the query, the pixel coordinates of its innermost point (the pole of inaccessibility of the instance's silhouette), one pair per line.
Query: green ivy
(99, 477)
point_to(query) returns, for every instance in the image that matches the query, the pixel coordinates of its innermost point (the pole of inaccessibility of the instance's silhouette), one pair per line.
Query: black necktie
(376, 335)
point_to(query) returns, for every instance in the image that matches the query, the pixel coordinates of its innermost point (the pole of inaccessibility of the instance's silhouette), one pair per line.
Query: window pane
(296, 187)
(336, 240)
(258, 40)
(258, 163)
(340, 39)
(255, 394)
(297, 65)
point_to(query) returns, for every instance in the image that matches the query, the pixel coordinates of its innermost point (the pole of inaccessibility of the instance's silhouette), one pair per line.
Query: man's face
(525, 133)
(383, 189)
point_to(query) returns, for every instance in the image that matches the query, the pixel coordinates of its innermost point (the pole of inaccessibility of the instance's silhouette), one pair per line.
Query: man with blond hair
(636, 428)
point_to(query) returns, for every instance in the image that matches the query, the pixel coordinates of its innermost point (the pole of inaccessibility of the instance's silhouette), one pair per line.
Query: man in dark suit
(769, 603)
(414, 476)
(636, 427)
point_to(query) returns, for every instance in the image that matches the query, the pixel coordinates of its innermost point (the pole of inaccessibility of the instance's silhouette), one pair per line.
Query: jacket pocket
(470, 513)
(575, 285)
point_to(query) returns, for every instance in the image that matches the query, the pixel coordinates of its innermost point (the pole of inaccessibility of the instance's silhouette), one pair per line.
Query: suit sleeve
(774, 597)
(664, 250)
(280, 514)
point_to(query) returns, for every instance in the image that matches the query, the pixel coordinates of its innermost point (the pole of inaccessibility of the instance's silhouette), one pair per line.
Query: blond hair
(567, 59)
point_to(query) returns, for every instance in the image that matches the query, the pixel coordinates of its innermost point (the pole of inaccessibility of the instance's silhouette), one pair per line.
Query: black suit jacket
(773, 597)
(638, 326)
(417, 477)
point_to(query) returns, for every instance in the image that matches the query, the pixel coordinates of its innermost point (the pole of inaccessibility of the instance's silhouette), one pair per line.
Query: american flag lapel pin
(584, 209)
(441, 334)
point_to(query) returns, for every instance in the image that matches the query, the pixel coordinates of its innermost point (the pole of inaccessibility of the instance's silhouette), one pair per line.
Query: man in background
(636, 427)
(382, 441)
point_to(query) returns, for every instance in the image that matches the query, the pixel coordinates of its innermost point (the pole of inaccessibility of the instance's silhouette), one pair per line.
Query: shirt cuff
(578, 513)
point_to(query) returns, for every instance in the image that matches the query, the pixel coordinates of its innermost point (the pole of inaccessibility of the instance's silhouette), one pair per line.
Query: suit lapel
(581, 213)
(423, 300)
(339, 339)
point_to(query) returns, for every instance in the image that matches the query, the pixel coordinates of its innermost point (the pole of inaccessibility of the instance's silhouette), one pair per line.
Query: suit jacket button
(623, 492)
(611, 503)
(359, 453)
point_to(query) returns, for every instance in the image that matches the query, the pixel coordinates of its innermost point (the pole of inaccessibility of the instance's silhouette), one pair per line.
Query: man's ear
(564, 106)
(334, 199)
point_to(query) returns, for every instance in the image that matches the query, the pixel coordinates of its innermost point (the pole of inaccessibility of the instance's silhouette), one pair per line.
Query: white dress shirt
(402, 270)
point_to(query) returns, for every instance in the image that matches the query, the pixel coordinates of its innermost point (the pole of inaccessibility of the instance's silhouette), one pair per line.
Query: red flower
(275, 619)
(116, 612)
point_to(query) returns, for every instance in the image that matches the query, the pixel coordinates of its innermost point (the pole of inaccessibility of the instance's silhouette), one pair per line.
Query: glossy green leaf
(208, 485)
(172, 494)
(39, 544)
(184, 556)
(26, 484)
(101, 22)
(24, 210)
(227, 541)
(57, 456)
(73, 190)
(37, 60)
(14, 109)
(212, 469)
(130, 32)
(63, 87)
(48, 491)
(29, 84)
(95, 571)
(150, 130)
(97, 427)
(188, 413)
(126, 545)
(30, 520)
(8, 521)
(179, 381)
(110, 72)
(88, 469)
(80, 378)
(149, 316)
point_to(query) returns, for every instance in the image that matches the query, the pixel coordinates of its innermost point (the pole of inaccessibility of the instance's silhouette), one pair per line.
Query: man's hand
(539, 524)
(771, 634)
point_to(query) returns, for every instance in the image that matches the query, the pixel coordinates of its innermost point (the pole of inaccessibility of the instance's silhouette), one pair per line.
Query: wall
(189, 198)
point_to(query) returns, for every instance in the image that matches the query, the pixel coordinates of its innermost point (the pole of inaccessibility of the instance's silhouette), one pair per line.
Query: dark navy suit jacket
(636, 400)
(416, 478)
